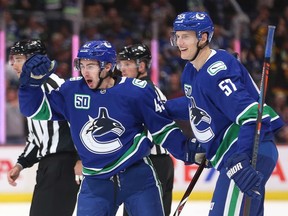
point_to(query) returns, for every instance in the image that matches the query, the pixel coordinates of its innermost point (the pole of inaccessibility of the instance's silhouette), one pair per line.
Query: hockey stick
(262, 95)
(190, 187)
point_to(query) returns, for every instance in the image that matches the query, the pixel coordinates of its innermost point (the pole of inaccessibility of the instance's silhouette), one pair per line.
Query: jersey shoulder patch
(216, 67)
(139, 83)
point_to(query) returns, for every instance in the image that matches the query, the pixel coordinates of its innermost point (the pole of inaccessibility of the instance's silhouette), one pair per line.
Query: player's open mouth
(89, 82)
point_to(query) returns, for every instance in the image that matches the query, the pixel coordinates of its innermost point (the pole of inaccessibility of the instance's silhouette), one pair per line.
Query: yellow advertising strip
(26, 197)
(17, 197)
(275, 195)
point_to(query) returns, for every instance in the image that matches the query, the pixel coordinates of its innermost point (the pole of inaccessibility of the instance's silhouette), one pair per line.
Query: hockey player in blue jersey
(221, 103)
(134, 61)
(107, 122)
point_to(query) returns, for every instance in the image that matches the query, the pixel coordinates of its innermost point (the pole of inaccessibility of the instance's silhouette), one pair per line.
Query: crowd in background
(125, 22)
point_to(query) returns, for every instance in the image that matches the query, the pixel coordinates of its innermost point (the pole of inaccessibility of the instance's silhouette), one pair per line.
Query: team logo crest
(200, 16)
(199, 116)
(100, 135)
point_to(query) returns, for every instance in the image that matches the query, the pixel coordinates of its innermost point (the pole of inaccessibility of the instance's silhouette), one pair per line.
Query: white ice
(195, 208)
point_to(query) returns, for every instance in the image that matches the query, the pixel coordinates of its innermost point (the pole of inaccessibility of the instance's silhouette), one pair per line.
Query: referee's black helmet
(28, 47)
(136, 52)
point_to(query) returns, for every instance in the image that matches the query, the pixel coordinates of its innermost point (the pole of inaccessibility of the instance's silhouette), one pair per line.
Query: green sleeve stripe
(159, 138)
(44, 113)
(252, 111)
(249, 113)
(271, 112)
(230, 137)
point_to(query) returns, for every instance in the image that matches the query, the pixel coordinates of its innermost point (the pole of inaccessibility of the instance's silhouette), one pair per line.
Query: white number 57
(227, 86)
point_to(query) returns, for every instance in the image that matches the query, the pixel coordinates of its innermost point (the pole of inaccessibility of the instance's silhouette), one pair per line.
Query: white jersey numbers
(159, 107)
(227, 86)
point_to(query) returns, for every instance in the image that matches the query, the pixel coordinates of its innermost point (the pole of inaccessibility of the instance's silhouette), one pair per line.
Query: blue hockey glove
(247, 179)
(36, 70)
(194, 152)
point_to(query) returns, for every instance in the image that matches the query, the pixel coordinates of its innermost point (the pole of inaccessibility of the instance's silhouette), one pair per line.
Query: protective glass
(126, 64)
(173, 39)
(90, 67)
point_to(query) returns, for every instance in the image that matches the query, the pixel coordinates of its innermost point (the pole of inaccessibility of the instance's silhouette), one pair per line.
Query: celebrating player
(50, 144)
(108, 124)
(134, 61)
(221, 103)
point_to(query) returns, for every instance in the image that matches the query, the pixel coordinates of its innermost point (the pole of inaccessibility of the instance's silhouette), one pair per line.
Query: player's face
(17, 62)
(128, 68)
(90, 70)
(187, 44)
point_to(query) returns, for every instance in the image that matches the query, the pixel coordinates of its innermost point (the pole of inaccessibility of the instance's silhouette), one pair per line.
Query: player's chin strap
(101, 79)
(198, 50)
(138, 75)
(138, 72)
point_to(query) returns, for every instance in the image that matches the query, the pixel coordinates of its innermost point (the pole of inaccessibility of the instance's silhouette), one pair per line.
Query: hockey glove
(194, 152)
(247, 179)
(36, 70)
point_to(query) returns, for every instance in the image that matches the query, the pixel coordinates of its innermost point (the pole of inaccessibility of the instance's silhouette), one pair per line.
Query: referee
(50, 144)
(134, 62)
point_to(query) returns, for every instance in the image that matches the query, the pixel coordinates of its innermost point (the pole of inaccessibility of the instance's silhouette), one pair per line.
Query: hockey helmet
(28, 47)
(200, 22)
(101, 51)
(136, 52)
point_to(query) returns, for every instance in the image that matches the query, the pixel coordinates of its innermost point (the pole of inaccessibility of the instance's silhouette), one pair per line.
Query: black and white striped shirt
(46, 137)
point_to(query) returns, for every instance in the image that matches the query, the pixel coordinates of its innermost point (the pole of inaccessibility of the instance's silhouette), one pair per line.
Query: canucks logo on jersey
(198, 118)
(101, 127)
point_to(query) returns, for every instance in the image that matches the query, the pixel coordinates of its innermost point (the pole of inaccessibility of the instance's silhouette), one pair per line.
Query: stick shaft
(262, 95)
(190, 188)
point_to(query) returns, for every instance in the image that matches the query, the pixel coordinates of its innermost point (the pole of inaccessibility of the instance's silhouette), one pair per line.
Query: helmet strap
(198, 49)
(109, 74)
(138, 66)
(138, 75)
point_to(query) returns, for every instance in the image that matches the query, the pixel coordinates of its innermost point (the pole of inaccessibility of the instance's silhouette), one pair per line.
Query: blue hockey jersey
(107, 126)
(222, 107)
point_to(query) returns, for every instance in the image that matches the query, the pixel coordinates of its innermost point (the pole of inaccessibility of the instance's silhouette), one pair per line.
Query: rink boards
(277, 186)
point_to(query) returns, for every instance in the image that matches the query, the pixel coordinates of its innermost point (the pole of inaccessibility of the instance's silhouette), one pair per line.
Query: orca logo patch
(100, 135)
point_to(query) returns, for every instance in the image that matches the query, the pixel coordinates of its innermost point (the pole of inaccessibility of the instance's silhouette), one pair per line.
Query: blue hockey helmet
(101, 51)
(200, 22)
